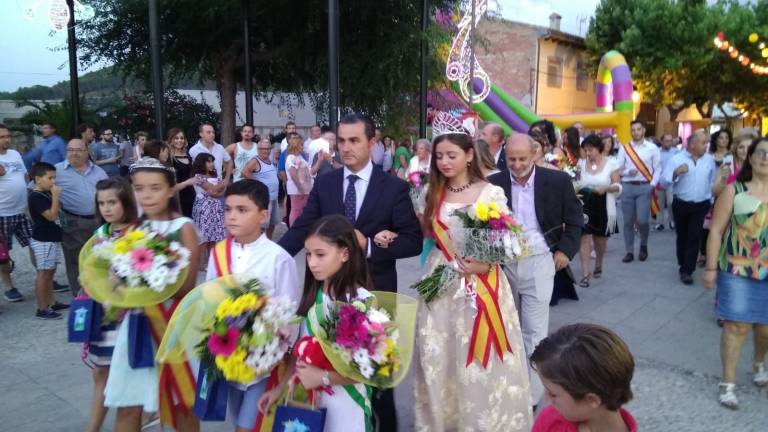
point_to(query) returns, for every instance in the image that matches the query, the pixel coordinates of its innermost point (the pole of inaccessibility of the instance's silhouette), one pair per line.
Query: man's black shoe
(686, 278)
(628, 258)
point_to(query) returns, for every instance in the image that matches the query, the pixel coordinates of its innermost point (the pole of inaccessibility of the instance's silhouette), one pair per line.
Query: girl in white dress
(336, 271)
(455, 391)
(133, 391)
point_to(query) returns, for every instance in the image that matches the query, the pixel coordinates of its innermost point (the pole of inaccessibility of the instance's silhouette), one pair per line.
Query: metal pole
(74, 90)
(333, 63)
(472, 56)
(157, 71)
(247, 57)
(423, 83)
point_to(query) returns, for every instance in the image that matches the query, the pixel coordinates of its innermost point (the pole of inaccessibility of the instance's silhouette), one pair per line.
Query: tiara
(444, 123)
(147, 162)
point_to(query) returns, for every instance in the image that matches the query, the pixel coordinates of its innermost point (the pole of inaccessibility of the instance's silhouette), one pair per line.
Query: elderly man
(692, 172)
(544, 202)
(77, 176)
(493, 134)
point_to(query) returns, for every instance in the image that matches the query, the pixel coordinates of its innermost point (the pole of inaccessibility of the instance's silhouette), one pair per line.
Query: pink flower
(497, 224)
(142, 259)
(415, 178)
(224, 345)
(352, 328)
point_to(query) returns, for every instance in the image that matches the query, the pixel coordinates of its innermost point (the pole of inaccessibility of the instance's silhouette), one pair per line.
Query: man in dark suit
(544, 203)
(493, 134)
(381, 210)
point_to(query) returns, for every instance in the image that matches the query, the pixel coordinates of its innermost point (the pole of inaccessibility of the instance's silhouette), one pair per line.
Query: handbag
(84, 321)
(140, 351)
(210, 398)
(294, 416)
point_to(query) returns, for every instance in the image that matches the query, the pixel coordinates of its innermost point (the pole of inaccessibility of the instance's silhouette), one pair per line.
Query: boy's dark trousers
(384, 413)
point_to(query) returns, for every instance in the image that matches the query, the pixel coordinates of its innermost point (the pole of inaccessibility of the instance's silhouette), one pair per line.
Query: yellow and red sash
(642, 168)
(222, 260)
(488, 330)
(177, 383)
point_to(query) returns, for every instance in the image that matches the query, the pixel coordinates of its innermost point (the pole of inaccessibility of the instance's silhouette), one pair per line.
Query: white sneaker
(728, 397)
(761, 376)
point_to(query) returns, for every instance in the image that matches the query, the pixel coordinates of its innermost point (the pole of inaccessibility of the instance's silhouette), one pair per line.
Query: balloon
(753, 37)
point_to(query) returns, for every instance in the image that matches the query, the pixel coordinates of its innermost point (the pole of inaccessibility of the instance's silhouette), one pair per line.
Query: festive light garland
(726, 46)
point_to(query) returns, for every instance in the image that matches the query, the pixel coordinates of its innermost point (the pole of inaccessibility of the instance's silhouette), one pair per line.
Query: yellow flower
(494, 214)
(134, 236)
(481, 211)
(225, 309)
(248, 301)
(384, 371)
(122, 246)
(234, 367)
(492, 206)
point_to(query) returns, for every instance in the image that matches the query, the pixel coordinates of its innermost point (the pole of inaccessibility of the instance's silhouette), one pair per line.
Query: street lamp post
(74, 90)
(333, 63)
(157, 71)
(247, 59)
(423, 75)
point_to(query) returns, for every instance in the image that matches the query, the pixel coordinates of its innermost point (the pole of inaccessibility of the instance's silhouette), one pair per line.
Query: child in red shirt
(586, 370)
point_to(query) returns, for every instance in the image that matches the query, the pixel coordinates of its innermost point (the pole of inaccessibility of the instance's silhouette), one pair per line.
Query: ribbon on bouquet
(488, 330)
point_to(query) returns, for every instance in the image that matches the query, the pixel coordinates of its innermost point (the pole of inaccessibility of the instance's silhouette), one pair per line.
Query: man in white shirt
(207, 144)
(290, 128)
(642, 167)
(14, 221)
(664, 192)
(493, 134)
(377, 154)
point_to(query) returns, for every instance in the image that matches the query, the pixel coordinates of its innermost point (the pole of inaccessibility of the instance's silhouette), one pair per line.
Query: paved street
(670, 328)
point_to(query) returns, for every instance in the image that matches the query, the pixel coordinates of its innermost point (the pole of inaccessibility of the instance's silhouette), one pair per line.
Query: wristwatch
(326, 379)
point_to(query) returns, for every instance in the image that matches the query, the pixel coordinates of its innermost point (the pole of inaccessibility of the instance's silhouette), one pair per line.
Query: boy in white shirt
(248, 250)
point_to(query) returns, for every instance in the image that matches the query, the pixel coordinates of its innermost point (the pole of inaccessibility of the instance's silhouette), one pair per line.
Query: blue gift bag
(299, 418)
(84, 322)
(141, 354)
(210, 398)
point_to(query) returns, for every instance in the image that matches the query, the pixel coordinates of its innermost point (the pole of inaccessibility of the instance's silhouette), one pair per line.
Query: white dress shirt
(218, 151)
(361, 186)
(523, 207)
(650, 156)
(695, 185)
(265, 260)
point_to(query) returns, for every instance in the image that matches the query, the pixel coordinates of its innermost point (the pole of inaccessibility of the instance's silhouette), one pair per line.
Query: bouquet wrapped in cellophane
(239, 329)
(139, 268)
(418, 181)
(369, 341)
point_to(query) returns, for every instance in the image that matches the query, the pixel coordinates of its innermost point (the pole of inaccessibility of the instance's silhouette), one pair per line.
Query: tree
(60, 114)
(379, 48)
(668, 45)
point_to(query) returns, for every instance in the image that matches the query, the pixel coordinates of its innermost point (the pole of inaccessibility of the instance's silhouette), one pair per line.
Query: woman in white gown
(455, 389)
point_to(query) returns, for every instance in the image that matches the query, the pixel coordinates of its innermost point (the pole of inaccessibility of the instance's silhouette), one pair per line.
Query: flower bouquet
(417, 181)
(489, 234)
(249, 334)
(142, 267)
(565, 164)
(366, 342)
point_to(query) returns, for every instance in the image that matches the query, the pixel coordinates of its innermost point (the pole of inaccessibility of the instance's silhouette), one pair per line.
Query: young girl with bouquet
(336, 271)
(116, 209)
(171, 390)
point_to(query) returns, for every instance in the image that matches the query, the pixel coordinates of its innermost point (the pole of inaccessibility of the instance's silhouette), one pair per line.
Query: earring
(469, 163)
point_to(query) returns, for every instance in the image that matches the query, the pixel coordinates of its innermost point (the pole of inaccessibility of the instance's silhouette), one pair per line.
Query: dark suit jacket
(386, 206)
(501, 164)
(558, 210)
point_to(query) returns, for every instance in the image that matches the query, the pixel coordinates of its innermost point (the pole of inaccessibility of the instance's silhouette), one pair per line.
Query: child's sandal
(598, 272)
(728, 397)
(584, 283)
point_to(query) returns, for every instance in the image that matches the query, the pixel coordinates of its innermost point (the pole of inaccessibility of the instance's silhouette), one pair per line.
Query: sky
(28, 54)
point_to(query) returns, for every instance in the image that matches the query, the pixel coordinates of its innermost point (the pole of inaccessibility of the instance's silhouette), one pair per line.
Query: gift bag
(210, 398)
(140, 351)
(84, 323)
(293, 416)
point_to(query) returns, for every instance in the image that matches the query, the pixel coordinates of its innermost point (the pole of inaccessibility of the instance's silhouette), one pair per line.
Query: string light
(729, 48)
(58, 12)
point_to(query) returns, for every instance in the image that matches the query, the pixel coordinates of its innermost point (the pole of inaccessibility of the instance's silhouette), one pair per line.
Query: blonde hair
(295, 144)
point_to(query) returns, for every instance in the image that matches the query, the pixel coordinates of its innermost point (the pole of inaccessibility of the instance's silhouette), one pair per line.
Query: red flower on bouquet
(224, 344)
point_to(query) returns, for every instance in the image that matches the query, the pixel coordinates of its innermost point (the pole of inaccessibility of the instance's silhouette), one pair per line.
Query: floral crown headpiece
(147, 162)
(445, 123)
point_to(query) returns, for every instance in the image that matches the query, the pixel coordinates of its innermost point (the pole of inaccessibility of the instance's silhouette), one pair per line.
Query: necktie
(350, 199)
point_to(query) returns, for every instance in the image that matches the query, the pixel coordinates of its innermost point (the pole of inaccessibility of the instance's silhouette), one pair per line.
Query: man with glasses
(263, 169)
(77, 176)
(107, 154)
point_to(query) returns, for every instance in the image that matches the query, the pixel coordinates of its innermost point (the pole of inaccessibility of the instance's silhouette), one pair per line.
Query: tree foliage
(669, 46)
(379, 48)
